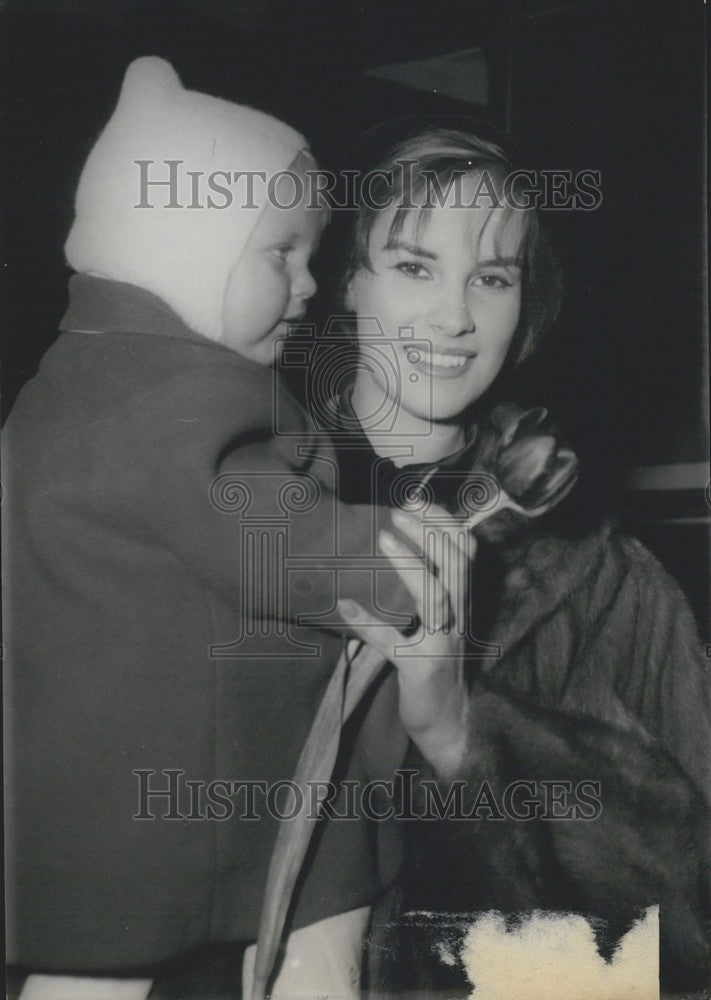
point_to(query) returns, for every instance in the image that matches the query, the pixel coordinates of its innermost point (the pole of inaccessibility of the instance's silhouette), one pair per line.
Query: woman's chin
(453, 405)
(444, 412)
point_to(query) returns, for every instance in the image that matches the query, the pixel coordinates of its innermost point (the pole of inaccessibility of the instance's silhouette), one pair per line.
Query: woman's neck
(410, 439)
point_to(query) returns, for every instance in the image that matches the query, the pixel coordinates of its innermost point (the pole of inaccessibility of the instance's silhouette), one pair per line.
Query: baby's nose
(304, 286)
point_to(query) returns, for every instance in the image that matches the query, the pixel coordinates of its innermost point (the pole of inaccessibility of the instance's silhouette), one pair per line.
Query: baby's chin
(265, 351)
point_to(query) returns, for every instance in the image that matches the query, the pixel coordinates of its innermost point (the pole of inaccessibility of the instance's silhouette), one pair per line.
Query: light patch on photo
(554, 957)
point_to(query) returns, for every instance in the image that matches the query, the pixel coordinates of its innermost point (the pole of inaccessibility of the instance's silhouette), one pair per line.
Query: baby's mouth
(290, 321)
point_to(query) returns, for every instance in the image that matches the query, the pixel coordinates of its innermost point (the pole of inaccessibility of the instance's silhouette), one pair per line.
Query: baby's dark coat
(124, 567)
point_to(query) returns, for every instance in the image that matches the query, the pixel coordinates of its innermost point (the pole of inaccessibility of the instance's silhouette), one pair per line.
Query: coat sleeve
(616, 774)
(229, 480)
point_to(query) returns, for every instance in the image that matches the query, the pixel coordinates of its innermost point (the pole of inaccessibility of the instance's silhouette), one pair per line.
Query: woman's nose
(453, 315)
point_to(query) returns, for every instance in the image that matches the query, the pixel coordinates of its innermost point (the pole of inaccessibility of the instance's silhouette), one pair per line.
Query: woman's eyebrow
(500, 262)
(418, 251)
(412, 248)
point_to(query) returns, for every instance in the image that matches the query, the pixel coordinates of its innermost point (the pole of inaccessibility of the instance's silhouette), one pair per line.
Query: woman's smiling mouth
(447, 364)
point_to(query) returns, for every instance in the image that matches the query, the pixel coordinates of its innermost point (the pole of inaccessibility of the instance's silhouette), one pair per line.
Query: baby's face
(271, 282)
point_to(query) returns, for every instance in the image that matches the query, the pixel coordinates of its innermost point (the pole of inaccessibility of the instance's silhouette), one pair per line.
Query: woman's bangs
(503, 222)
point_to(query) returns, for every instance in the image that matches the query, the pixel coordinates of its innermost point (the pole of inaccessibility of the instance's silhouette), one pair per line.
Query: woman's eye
(492, 281)
(282, 252)
(412, 269)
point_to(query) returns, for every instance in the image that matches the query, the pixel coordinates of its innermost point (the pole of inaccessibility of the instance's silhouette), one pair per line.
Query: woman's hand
(433, 695)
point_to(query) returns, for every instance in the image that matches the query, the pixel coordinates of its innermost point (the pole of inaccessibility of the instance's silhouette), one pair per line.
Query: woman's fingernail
(347, 608)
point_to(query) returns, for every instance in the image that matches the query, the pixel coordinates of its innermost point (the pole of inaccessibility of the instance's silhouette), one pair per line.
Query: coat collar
(543, 571)
(366, 477)
(99, 305)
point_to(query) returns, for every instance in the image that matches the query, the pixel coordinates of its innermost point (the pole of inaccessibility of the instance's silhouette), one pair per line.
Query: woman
(599, 681)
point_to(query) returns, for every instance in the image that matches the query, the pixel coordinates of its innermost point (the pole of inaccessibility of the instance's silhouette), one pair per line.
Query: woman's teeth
(447, 360)
(438, 360)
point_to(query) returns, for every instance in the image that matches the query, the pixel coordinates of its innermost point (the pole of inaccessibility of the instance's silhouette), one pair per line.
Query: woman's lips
(443, 364)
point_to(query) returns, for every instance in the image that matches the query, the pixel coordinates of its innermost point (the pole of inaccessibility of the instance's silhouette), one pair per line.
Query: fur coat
(600, 687)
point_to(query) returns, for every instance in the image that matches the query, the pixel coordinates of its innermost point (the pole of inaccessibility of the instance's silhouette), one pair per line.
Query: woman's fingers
(448, 549)
(385, 638)
(428, 591)
(432, 691)
(438, 522)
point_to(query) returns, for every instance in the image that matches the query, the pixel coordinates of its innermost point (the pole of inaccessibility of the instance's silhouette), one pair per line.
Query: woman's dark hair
(420, 169)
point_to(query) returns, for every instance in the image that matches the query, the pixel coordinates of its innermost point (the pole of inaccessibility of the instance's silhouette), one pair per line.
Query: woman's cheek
(402, 309)
(501, 322)
(514, 311)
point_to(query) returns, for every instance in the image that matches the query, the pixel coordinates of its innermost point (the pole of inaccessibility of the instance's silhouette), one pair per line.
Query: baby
(130, 582)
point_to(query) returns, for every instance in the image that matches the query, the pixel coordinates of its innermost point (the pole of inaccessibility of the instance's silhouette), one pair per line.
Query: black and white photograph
(356, 501)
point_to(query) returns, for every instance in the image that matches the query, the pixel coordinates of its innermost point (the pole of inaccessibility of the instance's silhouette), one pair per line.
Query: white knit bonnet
(183, 255)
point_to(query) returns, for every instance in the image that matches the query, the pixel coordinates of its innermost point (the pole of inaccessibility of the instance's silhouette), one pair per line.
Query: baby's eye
(282, 251)
(412, 269)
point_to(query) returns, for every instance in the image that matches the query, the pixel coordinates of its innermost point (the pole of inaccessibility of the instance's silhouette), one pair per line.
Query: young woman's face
(452, 278)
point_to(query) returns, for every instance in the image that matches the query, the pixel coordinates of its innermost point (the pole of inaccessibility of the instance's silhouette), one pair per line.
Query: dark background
(610, 86)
